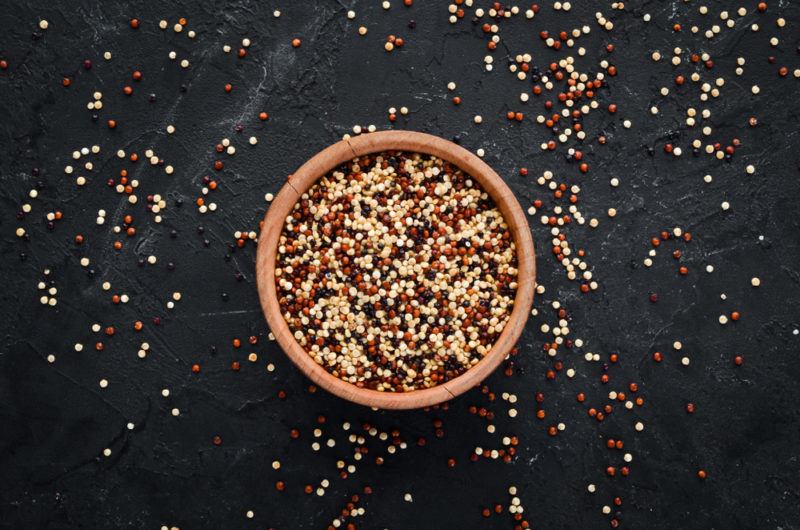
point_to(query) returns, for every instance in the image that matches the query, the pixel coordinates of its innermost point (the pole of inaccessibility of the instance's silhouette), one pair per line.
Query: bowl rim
(408, 141)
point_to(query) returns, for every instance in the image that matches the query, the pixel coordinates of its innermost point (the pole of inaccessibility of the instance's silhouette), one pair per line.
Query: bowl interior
(345, 151)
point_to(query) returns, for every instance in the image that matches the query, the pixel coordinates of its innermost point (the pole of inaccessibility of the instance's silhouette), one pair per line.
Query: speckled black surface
(55, 420)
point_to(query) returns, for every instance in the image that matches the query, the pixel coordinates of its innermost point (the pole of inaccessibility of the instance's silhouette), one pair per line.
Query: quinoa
(396, 272)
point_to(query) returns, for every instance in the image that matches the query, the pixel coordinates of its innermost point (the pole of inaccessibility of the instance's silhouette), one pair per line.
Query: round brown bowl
(345, 151)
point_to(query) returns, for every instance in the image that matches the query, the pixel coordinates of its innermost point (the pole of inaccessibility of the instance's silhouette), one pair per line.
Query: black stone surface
(55, 420)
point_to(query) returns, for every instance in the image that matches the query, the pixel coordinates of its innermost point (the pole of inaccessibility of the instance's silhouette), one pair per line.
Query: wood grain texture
(408, 141)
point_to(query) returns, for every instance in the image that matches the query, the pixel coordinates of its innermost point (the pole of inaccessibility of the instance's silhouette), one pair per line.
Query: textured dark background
(55, 420)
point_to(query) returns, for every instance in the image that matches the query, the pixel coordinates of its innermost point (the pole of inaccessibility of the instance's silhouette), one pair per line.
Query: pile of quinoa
(396, 272)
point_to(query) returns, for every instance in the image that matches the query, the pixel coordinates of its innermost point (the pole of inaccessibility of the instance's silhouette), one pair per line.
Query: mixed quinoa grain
(396, 272)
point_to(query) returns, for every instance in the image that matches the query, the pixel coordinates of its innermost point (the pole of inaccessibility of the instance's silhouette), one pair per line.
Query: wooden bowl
(345, 151)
